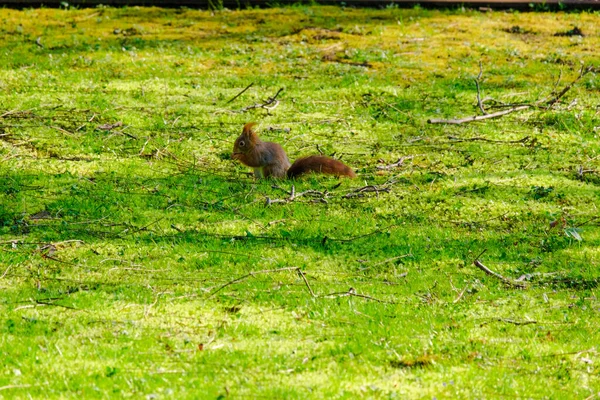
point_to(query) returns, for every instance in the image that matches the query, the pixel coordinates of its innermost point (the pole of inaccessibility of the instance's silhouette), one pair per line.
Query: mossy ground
(121, 210)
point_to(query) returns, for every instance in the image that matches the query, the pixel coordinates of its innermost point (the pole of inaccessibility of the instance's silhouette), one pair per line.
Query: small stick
(240, 93)
(306, 282)
(488, 271)
(479, 103)
(251, 274)
(460, 295)
(509, 321)
(482, 139)
(271, 100)
(396, 164)
(477, 117)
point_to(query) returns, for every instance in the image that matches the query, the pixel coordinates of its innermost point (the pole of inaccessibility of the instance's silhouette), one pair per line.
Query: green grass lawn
(124, 223)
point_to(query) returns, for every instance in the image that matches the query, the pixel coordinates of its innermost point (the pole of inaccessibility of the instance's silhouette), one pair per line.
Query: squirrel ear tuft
(248, 128)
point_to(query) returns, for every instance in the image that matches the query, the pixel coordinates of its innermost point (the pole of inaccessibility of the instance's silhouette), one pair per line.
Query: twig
(271, 101)
(365, 189)
(582, 73)
(545, 103)
(350, 292)
(488, 271)
(251, 274)
(482, 139)
(5, 272)
(396, 164)
(294, 195)
(477, 117)
(509, 321)
(479, 103)
(14, 387)
(460, 295)
(240, 93)
(47, 303)
(312, 293)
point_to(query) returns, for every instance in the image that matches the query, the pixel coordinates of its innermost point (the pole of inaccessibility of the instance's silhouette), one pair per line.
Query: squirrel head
(246, 141)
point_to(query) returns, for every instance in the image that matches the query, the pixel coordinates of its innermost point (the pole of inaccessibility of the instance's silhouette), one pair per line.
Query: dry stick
(251, 274)
(482, 139)
(7, 387)
(488, 271)
(479, 103)
(509, 321)
(460, 295)
(271, 100)
(546, 103)
(350, 292)
(240, 93)
(478, 117)
(396, 164)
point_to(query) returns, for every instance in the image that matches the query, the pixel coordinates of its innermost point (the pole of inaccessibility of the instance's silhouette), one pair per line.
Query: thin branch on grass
(397, 164)
(488, 271)
(240, 93)
(321, 196)
(455, 139)
(48, 303)
(7, 387)
(366, 189)
(478, 117)
(545, 103)
(350, 292)
(269, 104)
(460, 295)
(479, 103)
(5, 272)
(509, 321)
(251, 274)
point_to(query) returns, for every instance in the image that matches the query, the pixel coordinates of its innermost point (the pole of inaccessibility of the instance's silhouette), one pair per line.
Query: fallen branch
(488, 271)
(350, 292)
(270, 104)
(366, 189)
(479, 103)
(251, 274)
(482, 139)
(477, 117)
(396, 164)
(545, 103)
(321, 196)
(509, 321)
(240, 93)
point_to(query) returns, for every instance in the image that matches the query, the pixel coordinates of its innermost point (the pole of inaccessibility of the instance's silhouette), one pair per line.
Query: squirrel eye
(242, 143)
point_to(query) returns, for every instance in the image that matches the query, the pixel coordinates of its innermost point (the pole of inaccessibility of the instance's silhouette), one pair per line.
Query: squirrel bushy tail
(319, 164)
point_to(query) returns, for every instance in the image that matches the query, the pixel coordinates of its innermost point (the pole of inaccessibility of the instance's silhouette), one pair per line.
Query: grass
(121, 211)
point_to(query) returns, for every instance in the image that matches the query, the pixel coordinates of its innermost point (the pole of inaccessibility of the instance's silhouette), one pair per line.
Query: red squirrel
(270, 161)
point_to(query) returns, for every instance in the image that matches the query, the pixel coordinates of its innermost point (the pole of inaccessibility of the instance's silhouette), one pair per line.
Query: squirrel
(270, 161)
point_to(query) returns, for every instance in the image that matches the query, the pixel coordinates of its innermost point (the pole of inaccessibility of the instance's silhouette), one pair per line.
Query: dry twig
(545, 103)
(488, 271)
(398, 163)
(351, 292)
(270, 104)
(240, 93)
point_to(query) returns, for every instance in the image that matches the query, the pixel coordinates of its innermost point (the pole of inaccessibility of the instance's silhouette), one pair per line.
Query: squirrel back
(269, 159)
